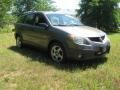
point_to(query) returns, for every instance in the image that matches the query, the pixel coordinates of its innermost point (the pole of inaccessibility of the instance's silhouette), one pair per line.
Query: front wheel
(57, 52)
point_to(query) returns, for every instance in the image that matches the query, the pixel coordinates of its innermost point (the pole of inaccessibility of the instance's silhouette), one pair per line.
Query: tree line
(103, 14)
(10, 10)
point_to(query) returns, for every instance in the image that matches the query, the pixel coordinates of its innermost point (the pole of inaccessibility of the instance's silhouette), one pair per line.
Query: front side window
(63, 20)
(29, 19)
(39, 19)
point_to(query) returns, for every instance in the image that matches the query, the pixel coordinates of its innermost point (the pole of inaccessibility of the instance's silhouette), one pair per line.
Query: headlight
(79, 40)
(106, 38)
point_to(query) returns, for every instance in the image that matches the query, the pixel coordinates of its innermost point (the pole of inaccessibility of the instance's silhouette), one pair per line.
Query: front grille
(97, 39)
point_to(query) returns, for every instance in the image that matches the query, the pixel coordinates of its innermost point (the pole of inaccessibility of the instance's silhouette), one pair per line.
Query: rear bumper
(88, 52)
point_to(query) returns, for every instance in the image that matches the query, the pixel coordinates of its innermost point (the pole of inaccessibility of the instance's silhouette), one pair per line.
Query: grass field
(30, 69)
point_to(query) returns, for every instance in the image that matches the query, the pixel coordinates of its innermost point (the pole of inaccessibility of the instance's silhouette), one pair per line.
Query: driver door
(40, 33)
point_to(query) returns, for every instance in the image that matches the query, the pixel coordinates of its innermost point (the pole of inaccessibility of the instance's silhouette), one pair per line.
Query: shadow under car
(40, 56)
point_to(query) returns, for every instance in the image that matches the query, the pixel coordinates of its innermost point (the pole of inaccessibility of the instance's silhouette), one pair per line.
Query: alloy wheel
(57, 53)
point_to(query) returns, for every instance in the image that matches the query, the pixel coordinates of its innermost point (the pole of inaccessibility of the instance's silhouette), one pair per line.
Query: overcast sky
(67, 4)
(119, 4)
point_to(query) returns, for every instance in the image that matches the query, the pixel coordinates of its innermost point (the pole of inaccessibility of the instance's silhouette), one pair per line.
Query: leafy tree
(21, 6)
(44, 5)
(99, 13)
(4, 8)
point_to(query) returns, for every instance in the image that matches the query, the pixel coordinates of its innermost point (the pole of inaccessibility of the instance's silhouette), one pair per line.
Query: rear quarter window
(21, 19)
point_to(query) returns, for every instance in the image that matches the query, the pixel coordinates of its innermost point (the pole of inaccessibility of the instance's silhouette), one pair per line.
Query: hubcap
(57, 53)
(18, 42)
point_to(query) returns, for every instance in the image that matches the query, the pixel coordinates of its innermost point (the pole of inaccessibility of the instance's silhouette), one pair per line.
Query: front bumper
(85, 52)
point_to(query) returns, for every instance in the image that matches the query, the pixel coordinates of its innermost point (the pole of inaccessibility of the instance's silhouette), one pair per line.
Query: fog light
(79, 56)
(99, 53)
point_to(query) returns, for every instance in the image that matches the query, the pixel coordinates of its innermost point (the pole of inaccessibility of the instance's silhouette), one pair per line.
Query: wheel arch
(17, 34)
(59, 42)
(54, 41)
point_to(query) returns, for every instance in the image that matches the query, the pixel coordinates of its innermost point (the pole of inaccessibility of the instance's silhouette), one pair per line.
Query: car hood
(81, 31)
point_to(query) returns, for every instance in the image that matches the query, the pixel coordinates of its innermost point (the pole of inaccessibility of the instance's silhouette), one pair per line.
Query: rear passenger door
(27, 28)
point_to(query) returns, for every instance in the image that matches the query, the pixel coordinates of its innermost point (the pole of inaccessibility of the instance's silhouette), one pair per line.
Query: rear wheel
(57, 52)
(19, 42)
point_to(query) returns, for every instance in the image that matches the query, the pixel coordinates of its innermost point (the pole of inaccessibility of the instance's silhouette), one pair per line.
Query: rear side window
(29, 19)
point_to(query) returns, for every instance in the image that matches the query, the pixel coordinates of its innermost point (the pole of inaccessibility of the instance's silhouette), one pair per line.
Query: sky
(67, 4)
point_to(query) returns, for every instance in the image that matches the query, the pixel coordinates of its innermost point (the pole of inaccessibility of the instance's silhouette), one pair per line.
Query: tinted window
(29, 19)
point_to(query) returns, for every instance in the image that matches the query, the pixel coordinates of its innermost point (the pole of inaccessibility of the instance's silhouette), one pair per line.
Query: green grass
(30, 69)
(6, 29)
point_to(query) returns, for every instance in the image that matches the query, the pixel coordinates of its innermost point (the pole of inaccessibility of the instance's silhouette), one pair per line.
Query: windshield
(63, 20)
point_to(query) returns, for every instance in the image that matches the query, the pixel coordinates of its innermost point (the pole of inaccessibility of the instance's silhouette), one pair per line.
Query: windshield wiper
(60, 25)
(75, 25)
(68, 25)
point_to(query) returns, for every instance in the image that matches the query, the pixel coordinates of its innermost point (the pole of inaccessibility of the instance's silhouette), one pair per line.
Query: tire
(57, 52)
(19, 43)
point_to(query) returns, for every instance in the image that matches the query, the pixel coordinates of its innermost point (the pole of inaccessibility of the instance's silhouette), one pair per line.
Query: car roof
(44, 12)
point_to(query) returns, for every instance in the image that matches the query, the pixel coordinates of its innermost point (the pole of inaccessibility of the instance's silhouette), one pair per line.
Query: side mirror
(44, 25)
